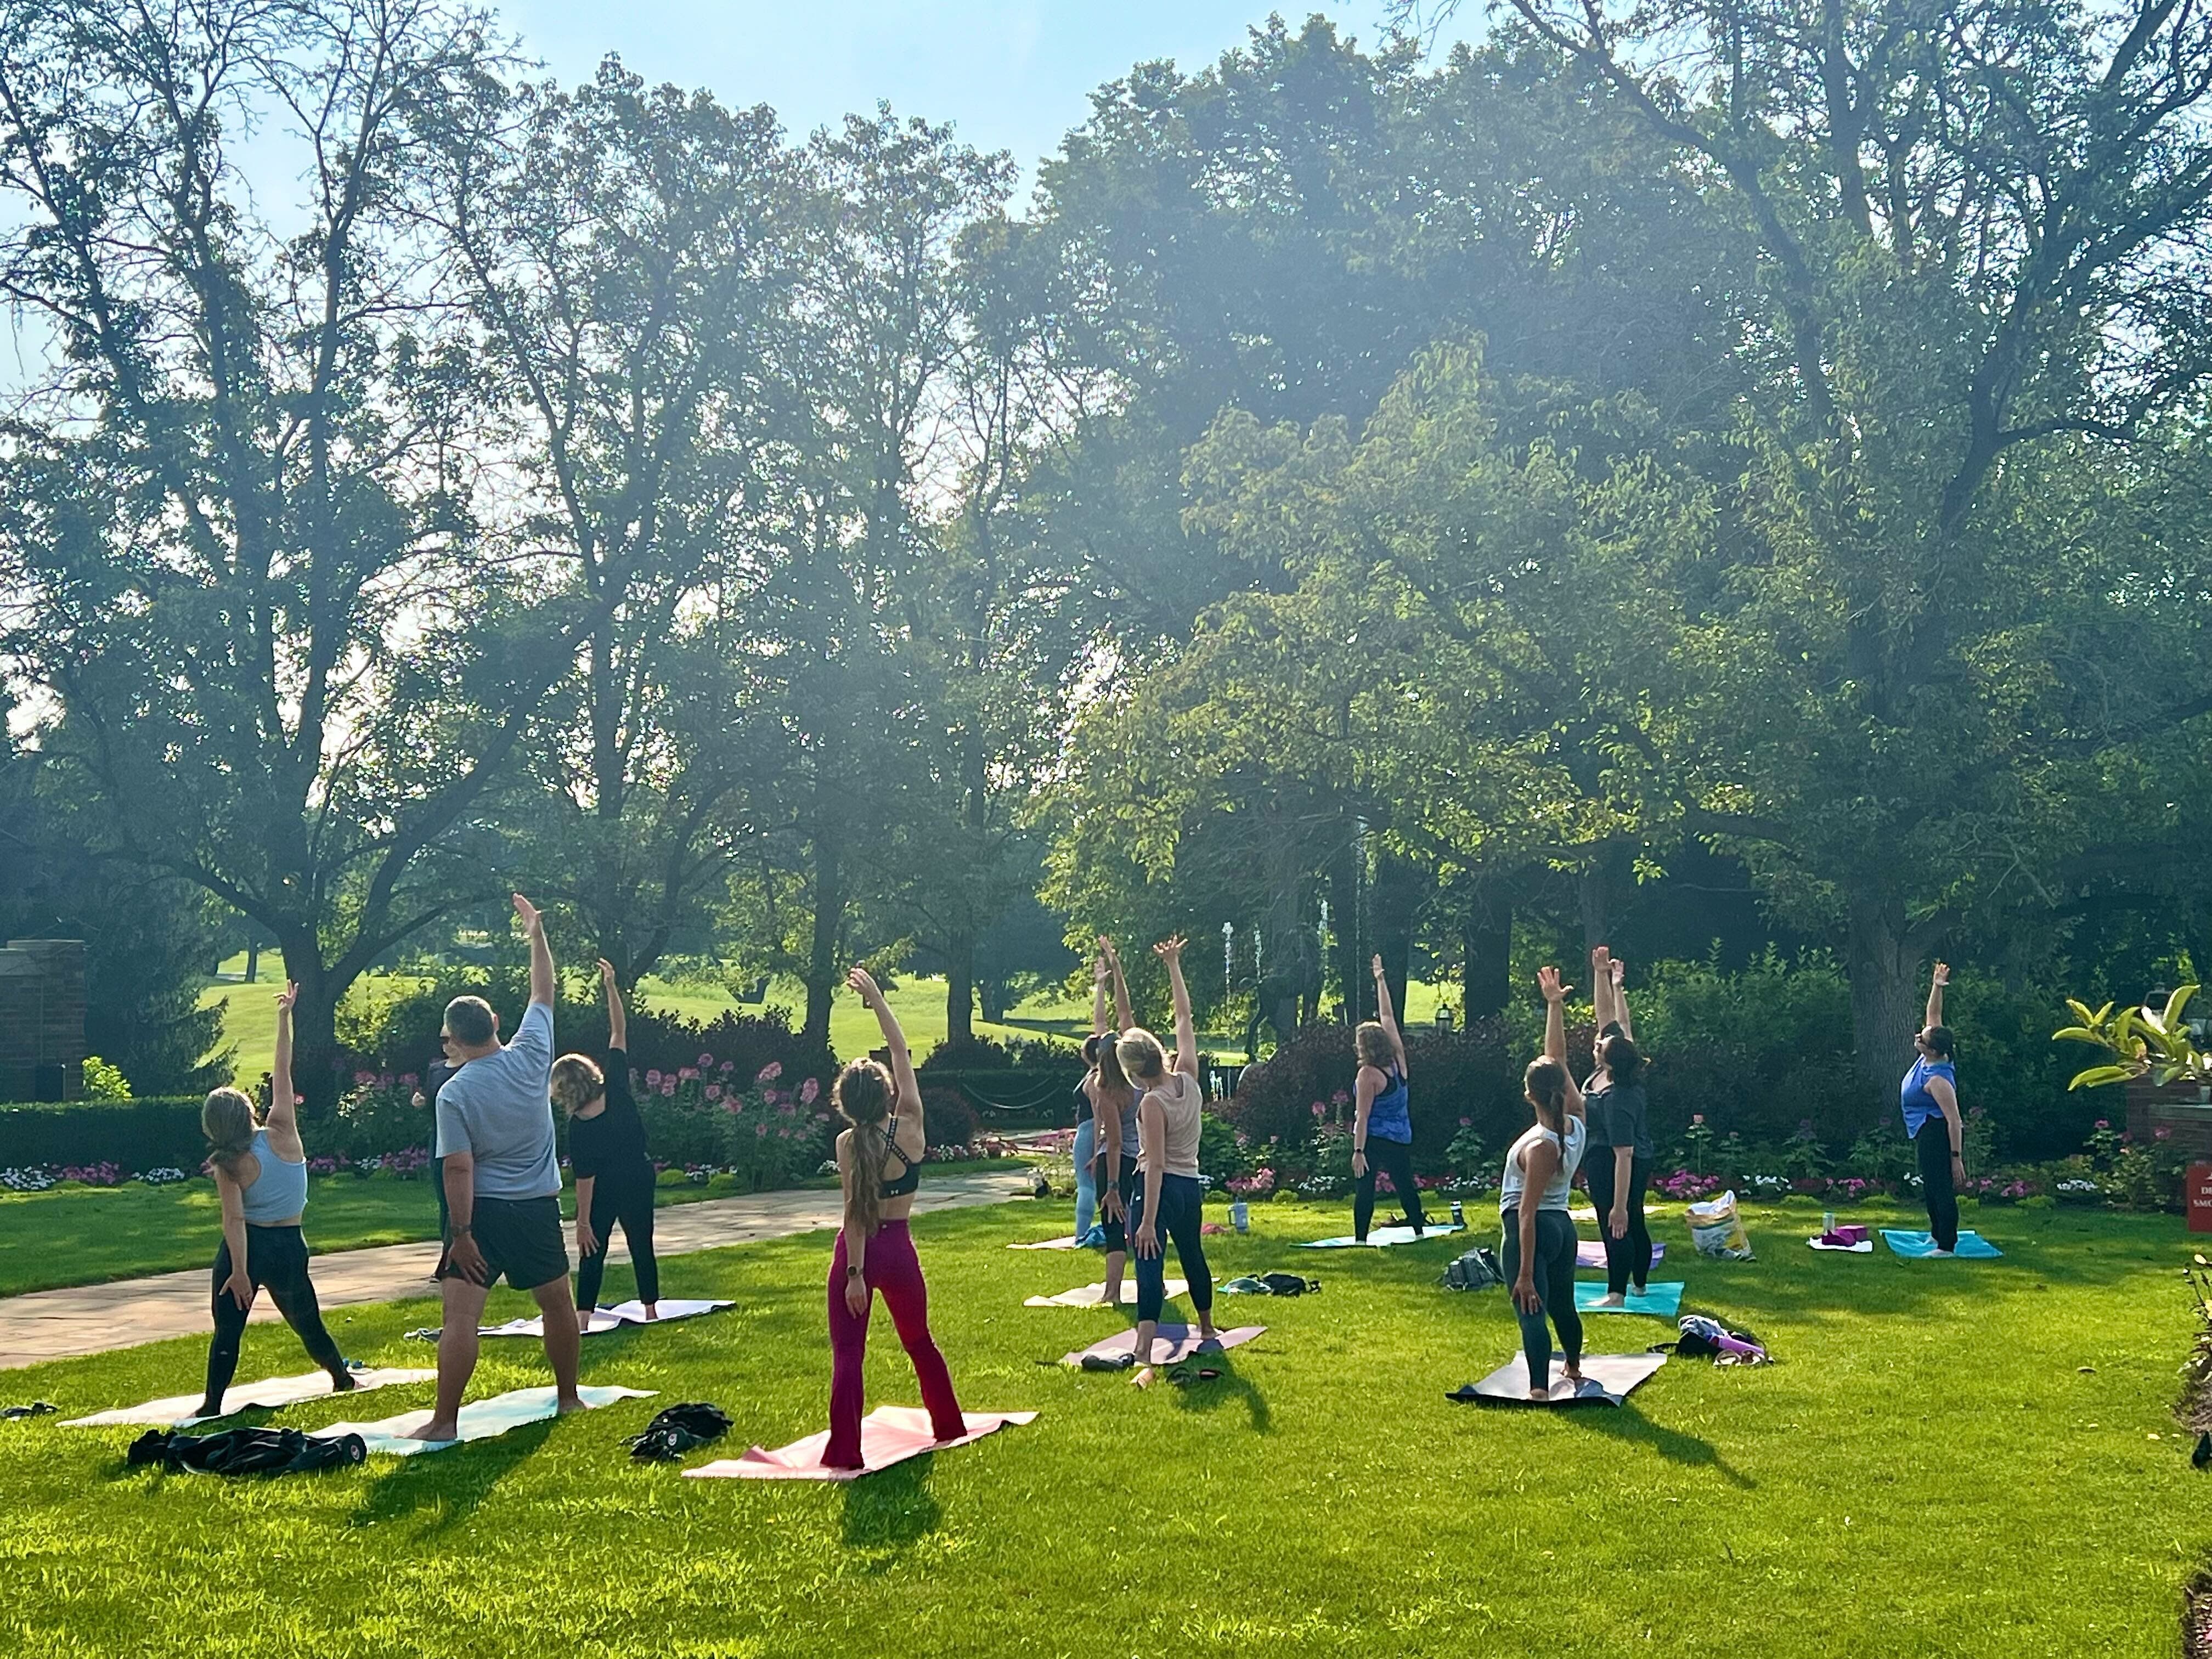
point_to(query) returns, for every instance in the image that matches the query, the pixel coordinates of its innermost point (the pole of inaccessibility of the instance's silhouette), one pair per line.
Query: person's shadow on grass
(1228, 1387)
(888, 1512)
(1625, 1422)
(444, 1488)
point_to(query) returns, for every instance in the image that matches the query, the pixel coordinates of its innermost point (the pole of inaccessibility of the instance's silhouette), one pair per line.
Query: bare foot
(342, 1382)
(652, 1311)
(1611, 1301)
(448, 1430)
(1540, 1393)
(208, 1408)
(570, 1402)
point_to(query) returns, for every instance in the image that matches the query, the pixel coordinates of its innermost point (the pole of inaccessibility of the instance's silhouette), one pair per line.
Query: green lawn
(85, 1236)
(1951, 1458)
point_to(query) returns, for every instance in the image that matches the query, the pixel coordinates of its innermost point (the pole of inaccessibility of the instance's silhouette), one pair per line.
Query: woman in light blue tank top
(260, 1171)
(1539, 1243)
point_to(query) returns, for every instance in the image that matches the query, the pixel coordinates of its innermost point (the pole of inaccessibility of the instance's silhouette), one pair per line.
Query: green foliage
(2151, 1043)
(1221, 1152)
(103, 1081)
(143, 1134)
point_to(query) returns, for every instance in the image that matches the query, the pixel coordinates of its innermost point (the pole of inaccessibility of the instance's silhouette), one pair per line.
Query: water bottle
(1240, 1215)
(1827, 1223)
(1459, 1215)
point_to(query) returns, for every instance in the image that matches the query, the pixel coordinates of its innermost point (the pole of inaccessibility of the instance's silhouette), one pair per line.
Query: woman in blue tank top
(260, 1171)
(1381, 1127)
(1929, 1098)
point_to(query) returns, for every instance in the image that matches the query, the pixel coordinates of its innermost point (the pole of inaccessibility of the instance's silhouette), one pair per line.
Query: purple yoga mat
(1172, 1344)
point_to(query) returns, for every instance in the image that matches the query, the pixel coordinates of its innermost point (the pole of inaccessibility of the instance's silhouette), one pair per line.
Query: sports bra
(909, 1183)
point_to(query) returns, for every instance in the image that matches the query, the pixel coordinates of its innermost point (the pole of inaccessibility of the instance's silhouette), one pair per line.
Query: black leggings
(1933, 1145)
(1117, 1232)
(629, 1202)
(277, 1261)
(1553, 1273)
(1183, 1214)
(1627, 1261)
(1394, 1158)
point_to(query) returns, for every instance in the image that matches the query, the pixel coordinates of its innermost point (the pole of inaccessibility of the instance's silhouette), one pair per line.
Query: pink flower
(1697, 1117)
(729, 1066)
(706, 1061)
(653, 1079)
(1320, 1110)
(690, 1074)
(384, 1082)
(1467, 1123)
(769, 1072)
(714, 1091)
(737, 1102)
(408, 1080)
(364, 1078)
(2102, 1124)
(1341, 1098)
(810, 1090)
(761, 1130)
(668, 1088)
(2161, 1133)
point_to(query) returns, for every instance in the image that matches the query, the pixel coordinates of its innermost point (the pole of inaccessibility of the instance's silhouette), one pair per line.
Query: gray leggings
(1553, 1272)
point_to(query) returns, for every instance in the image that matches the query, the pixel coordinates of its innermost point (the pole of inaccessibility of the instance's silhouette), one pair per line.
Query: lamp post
(1228, 959)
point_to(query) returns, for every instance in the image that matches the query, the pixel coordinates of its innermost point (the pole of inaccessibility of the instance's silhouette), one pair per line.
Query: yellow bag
(1716, 1229)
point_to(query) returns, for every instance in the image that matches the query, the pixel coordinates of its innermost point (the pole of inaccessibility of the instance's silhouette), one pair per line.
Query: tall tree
(239, 512)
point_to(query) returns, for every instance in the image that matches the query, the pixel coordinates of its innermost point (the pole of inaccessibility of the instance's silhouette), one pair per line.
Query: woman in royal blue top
(1929, 1095)
(1381, 1130)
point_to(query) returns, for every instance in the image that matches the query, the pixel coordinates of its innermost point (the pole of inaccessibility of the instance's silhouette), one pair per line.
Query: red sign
(2197, 1186)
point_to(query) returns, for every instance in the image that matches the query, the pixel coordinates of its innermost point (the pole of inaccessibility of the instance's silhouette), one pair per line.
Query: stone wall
(42, 1019)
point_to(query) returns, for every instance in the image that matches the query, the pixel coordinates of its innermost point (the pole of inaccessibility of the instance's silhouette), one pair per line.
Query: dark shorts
(521, 1239)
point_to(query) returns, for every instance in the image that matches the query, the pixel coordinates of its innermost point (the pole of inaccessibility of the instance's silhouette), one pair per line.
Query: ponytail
(1546, 1083)
(227, 1121)
(862, 1095)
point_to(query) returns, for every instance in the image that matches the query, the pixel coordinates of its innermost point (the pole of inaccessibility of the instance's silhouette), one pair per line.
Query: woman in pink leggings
(879, 1161)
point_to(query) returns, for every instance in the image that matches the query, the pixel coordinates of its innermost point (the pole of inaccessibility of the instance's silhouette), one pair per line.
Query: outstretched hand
(606, 972)
(1099, 970)
(288, 996)
(1106, 944)
(1619, 972)
(861, 985)
(1942, 973)
(1377, 965)
(527, 913)
(1548, 982)
(1170, 950)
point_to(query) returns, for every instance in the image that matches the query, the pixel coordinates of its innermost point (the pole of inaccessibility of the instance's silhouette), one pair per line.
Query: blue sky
(1009, 74)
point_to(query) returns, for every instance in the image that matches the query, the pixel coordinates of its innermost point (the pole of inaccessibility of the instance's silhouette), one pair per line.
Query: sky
(1010, 75)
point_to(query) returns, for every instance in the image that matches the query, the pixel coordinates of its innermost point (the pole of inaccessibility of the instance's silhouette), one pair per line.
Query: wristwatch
(852, 1272)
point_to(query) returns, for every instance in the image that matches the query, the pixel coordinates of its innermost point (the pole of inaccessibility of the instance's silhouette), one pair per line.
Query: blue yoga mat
(1918, 1247)
(1663, 1300)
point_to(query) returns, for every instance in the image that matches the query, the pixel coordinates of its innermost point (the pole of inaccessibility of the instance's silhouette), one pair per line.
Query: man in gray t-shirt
(502, 1184)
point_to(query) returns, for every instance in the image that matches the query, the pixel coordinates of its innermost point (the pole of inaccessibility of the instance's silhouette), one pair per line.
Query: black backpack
(246, 1451)
(677, 1431)
(1290, 1284)
(1475, 1270)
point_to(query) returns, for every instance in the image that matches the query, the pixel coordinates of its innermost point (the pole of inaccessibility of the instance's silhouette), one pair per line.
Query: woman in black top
(1618, 1164)
(606, 1151)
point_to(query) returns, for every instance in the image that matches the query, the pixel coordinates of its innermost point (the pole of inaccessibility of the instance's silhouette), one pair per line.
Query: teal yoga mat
(1918, 1247)
(1664, 1301)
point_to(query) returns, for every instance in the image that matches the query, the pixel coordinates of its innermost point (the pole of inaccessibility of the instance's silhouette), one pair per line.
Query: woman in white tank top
(1538, 1242)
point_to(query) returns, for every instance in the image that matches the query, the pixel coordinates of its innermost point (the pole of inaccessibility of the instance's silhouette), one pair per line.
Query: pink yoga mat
(1590, 1253)
(888, 1435)
(1172, 1343)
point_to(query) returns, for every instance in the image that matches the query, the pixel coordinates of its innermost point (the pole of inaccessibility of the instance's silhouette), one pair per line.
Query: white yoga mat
(1606, 1380)
(176, 1412)
(1864, 1247)
(1094, 1296)
(1171, 1344)
(480, 1419)
(1382, 1238)
(609, 1319)
(1066, 1244)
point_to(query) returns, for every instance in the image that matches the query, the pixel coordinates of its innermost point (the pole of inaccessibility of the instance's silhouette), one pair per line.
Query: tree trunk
(1400, 885)
(315, 1056)
(1348, 921)
(1592, 892)
(960, 989)
(1486, 977)
(253, 962)
(823, 976)
(1886, 1001)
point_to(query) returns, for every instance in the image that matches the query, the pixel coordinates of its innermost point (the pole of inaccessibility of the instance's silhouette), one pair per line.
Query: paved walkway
(88, 1319)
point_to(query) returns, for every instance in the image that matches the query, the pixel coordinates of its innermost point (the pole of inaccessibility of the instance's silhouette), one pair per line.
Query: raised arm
(1098, 995)
(541, 953)
(1555, 1017)
(1620, 976)
(1386, 1017)
(1941, 978)
(1601, 1004)
(910, 1094)
(618, 1015)
(1185, 1060)
(1123, 1019)
(283, 1101)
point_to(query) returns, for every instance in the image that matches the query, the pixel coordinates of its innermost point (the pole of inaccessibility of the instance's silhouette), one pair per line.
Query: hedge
(134, 1134)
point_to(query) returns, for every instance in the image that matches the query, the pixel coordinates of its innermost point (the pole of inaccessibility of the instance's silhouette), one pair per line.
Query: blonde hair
(1143, 1059)
(228, 1122)
(577, 1082)
(1372, 1044)
(862, 1095)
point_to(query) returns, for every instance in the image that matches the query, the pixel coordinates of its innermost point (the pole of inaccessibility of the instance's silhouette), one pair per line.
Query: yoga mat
(1607, 1379)
(1864, 1247)
(609, 1319)
(176, 1412)
(1663, 1300)
(1381, 1238)
(480, 1419)
(1918, 1247)
(1067, 1243)
(888, 1435)
(1590, 1253)
(1094, 1296)
(1170, 1343)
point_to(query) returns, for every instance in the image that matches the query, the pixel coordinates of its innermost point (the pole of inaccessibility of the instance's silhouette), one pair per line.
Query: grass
(89, 1235)
(1951, 1458)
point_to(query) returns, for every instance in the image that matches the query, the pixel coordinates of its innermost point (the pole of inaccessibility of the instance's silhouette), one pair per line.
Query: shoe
(1108, 1362)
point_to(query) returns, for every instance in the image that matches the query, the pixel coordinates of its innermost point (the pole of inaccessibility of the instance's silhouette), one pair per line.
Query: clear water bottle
(1827, 1223)
(1459, 1215)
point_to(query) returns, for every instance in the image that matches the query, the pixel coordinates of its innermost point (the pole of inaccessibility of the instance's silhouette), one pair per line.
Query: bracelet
(460, 1233)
